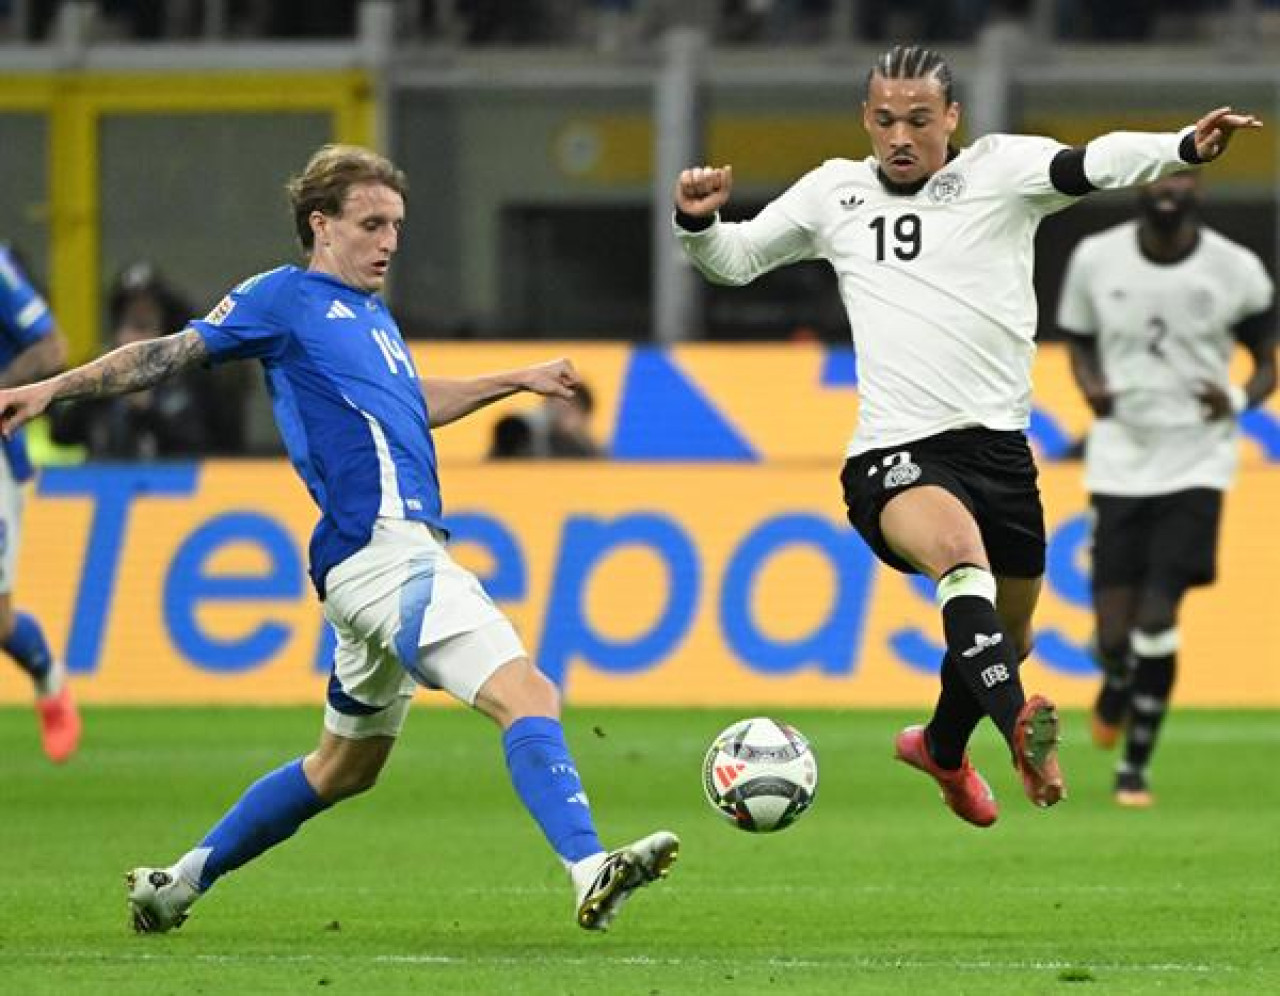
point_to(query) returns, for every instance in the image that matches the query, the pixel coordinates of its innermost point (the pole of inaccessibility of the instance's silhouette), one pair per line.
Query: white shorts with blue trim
(407, 614)
(12, 497)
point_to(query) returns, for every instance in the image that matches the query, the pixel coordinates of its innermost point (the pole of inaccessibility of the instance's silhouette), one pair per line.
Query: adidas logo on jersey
(981, 642)
(851, 202)
(339, 310)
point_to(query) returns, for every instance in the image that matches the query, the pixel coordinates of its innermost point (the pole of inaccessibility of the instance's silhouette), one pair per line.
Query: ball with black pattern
(760, 774)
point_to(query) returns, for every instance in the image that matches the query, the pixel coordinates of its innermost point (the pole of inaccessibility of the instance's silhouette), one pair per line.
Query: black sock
(1149, 700)
(983, 653)
(954, 718)
(1116, 664)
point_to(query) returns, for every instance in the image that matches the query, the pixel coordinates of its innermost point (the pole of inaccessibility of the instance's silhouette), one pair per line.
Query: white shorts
(407, 614)
(12, 497)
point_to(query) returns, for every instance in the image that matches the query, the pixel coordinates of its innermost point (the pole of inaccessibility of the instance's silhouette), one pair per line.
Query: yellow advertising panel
(729, 584)
(755, 403)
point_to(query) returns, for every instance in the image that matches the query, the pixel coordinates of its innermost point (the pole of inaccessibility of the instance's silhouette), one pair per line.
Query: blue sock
(270, 810)
(547, 782)
(27, 646)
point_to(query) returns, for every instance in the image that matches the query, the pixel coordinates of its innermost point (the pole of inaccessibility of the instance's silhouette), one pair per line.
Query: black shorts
(991, 472)
(1168, 541)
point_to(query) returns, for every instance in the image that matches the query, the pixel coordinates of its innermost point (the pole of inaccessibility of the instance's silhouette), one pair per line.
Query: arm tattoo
(134, 367)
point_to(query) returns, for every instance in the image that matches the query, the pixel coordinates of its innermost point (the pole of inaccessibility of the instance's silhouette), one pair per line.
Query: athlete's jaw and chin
(910, 125)
(356, 246)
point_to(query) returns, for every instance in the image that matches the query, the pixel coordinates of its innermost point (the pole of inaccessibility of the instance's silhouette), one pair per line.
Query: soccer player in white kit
(1156, 308)
(356, 420)
(933, 251)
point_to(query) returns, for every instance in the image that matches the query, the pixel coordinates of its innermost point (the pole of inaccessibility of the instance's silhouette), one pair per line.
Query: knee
(954, 547)
(1155, 620)
(534, 695)
(1112, 641)
(525, 691)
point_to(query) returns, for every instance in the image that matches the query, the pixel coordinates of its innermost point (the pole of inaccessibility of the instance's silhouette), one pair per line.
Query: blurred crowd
(615, 23)
(200, 413)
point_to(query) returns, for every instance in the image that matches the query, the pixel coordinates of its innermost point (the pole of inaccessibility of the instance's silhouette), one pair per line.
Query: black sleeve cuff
(1187, 149)
(1066, 173)
(694, 223)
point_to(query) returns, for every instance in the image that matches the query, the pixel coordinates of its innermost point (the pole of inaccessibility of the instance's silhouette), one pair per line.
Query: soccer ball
(760, 775)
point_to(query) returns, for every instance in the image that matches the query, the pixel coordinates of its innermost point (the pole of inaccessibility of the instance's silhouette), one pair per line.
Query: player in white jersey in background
(1155, 308)
(356, 419)
(933, 249)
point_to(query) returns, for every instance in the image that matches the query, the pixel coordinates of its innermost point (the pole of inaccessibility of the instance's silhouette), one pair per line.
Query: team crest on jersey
(1200, 303)
(902, 474)
(220, 311)
(946, 188)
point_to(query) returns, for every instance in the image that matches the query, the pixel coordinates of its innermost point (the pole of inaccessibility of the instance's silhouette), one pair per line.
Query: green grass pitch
(437, 883)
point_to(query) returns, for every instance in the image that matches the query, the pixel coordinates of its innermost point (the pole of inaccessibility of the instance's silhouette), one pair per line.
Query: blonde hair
(328, 177)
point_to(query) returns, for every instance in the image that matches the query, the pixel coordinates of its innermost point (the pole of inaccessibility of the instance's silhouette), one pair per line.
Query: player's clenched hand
(1215, 402)
(1214, 131)
(1100, 400)
(21, 404)
(703, 190)
(556, 379)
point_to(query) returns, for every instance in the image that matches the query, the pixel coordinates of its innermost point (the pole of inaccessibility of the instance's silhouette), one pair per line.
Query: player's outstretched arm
(1214, 131)
(1130, 158)
(130, 368)
(449, 399)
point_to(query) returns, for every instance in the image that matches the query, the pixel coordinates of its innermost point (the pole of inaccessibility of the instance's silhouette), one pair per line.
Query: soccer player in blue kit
(30, 346)
(356, 419)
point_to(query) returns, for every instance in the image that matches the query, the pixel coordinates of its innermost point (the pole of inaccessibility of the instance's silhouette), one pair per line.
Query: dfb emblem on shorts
(901, 474)
(946, 188)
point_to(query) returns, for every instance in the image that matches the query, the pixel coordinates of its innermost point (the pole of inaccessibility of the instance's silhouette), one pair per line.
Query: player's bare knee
(1156, 620)
(533, 695)
(1112, 641)
(950, 549)
(516, 690)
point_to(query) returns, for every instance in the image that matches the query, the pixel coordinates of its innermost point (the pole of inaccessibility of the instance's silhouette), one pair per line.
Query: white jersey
(1162, 329)
(937, 285)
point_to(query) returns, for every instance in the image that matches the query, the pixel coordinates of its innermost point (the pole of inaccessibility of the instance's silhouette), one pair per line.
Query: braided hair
(911, 62)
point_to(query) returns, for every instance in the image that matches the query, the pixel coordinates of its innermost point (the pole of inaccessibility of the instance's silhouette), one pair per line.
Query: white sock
(583, 872)
(190, 867)
(53, 680)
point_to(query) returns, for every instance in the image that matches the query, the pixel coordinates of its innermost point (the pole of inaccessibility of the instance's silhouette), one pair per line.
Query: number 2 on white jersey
(1159, 329)
(392, 352)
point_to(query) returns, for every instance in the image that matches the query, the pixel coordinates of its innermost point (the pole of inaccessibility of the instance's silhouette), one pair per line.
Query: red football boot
(1035, 752)
(965, 792)
(59, 725)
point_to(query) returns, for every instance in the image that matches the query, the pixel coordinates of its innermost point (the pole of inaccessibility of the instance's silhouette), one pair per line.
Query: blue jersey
(24, 318)
(347, 401)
